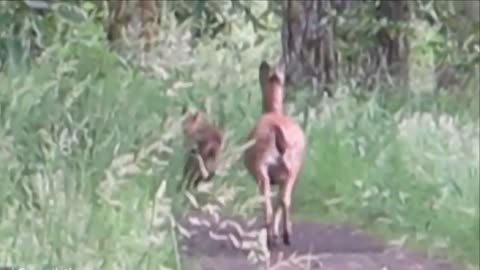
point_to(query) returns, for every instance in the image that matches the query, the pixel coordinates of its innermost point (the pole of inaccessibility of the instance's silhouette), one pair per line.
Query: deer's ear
(280, 71)
(184, 109)
(264, 65)
(195, 117)
(263, 73)
(191, 120)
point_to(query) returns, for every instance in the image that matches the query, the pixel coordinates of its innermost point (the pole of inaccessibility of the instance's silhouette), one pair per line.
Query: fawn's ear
(184, 109)
(191, 120)
(263, 74)
(195, 117)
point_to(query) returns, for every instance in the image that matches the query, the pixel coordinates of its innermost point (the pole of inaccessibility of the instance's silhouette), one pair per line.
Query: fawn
(276, 156)
(204, 141)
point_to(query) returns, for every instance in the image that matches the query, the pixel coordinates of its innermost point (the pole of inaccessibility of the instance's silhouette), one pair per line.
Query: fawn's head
(199, 128)
(272, 81)
(203, 138)
(192, 122)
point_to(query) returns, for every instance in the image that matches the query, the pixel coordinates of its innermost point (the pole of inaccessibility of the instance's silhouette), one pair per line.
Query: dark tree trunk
(309, 49)
(393, 51)
(148, 17)
(119, 17)
(121, 13)
(308, 43)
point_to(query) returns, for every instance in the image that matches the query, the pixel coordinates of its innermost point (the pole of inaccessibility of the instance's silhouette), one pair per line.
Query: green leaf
(70, 13)
(88, 6)
(15, 54)
(36, 4)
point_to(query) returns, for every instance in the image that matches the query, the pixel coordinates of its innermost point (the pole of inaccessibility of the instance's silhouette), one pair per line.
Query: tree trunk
(308, 43)
(393, 50)
(309, 49)
(119, 17)
(123, 12)
(148, 16)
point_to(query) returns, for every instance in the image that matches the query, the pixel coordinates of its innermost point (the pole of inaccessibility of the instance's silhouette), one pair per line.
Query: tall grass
(91, 153)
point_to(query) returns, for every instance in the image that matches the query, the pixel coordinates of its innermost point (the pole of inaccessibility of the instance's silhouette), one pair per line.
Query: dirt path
(217, 243)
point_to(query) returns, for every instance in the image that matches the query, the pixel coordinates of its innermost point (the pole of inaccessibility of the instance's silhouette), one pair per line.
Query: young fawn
(276, 156)
(204, 141)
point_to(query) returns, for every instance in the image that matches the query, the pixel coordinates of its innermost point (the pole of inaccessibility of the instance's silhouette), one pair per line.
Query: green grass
(400, 180)
(75, 133)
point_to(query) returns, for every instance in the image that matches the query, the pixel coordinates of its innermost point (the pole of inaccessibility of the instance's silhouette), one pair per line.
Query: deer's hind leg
(277, 219)
(285, 204)
(279, 176)
(263, 181)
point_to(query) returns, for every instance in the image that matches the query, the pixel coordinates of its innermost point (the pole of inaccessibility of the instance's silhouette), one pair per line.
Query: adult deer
(277, 154)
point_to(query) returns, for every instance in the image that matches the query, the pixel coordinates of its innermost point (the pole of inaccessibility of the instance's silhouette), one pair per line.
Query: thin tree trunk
(119, 17)
(394, 49)
(308, 43)
(148, 16)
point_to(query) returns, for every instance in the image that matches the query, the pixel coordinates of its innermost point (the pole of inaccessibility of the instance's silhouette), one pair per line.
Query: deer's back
(265, 150)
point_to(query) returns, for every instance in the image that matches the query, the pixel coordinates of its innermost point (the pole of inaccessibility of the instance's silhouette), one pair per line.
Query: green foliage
(456, 41)
(212, 17)
(401, 173)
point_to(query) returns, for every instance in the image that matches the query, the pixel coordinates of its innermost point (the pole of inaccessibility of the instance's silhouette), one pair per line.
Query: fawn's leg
(194, 180)
(200, 179)
(195, 173)
(186, 175)
(188, 170)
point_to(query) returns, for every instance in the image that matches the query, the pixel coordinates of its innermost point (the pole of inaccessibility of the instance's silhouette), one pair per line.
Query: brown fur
(277, 155)
(204, 141)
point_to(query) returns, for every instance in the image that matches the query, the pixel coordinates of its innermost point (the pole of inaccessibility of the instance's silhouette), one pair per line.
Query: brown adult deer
(276, 156)
(203, 141)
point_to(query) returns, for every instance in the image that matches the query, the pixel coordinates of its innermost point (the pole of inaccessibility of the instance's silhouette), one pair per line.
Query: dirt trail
(216, 244)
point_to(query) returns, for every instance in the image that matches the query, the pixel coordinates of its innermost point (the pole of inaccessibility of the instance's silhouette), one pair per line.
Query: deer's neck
(273, 98)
